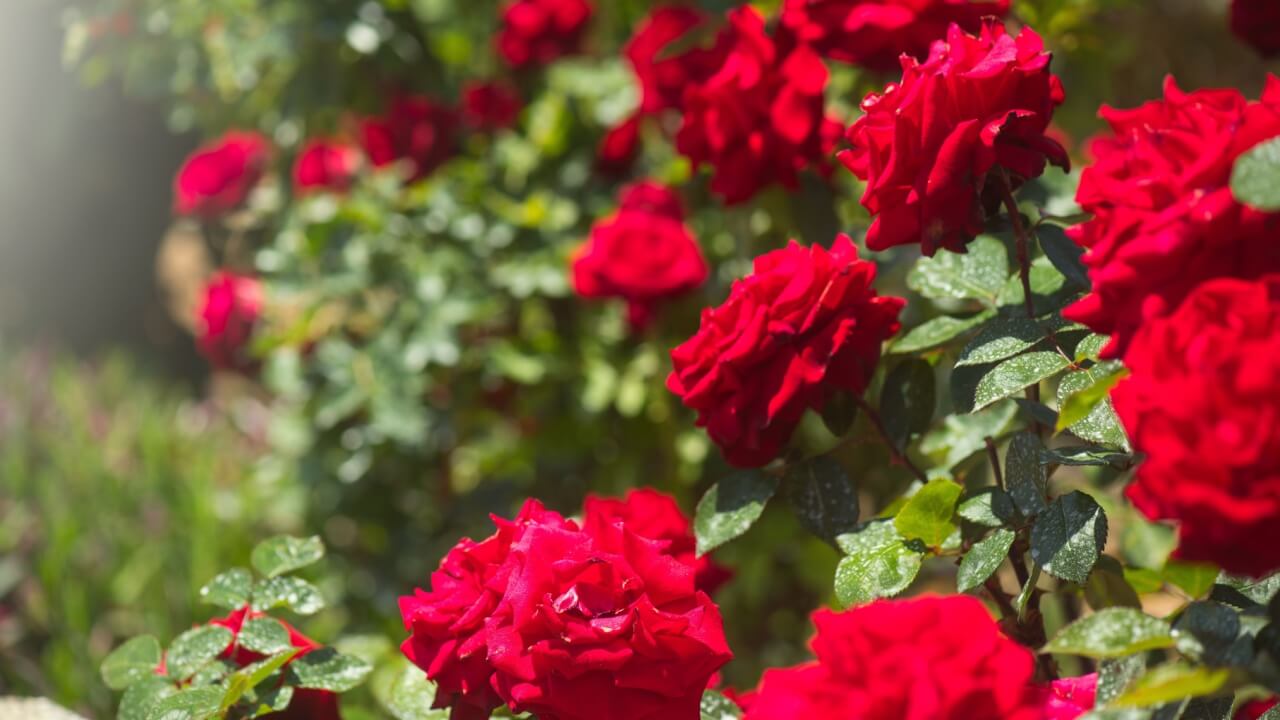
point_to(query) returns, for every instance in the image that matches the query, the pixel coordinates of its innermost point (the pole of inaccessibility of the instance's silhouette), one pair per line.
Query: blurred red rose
(230, 311)
(1257, 22)
(414, 128)
(928, 658)
(654, 515)
(490, 105)
(663, 75)
(876, 33)
(218, 177)
(1069, 698)
(565, 624)
(643, 254)
(1202, 401)
(758, 118)
(1256, 709)
(931, 146)
(325, 165)
(619, 146)
(805, 323)
(535, 32)
(1164, 216)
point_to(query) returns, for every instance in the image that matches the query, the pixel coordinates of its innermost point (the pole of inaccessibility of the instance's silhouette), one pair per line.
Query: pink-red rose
(876, 33)
(1257, 22)
(1164, 216)
(490, 105)
(643, 254)
(1069, 698)
(933, 148)
(928, 658)
(218, 177)
(414, 130)
(806, 323)
(663, 76)
(228, 315)
(1255, 710)
(328, 165)
(1202, 401)
(535, 32)
(565, 624)
(758, 119)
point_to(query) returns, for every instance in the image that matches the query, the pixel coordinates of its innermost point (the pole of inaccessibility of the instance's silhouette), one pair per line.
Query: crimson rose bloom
(653, 515)
(565, 624)
(928, 658)
(806, 323)
(643, 254)
(1069, 698)
(1255, 709)
(876, 33)
(932, 146)
(414, 129)
(325, 165)
(1203, 402)
(218, 177)
(535, 32)
(1164, 216)
(1257, 22)
(232, 305)
(758, 117)
(490, 105)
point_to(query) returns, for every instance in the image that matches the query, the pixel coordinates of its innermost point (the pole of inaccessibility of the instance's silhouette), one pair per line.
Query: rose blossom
(876, 33)
(535, 32)
(565, 624)
(1203, 403)
(230, 310)
(642, 254)
(490, 105)
(1164, 216)
(218, 177)
(1257, 22)
(758, 118)
(933, 147)
(1069, 698)
(653, 515)
(927, 658)
(415, 129)
(1256, 709)
(806, 323)
(325, 165)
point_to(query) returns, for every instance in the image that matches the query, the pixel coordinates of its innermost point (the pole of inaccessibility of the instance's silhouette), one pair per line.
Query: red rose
(1069, 698)
(663, 77)
(928, 658)
(930, 146)
(1255, 709)
(218, 177)
(490, 105)
(805, 323)
(758, 117)
(1257, 22)
(643, 254)
(1164, 216)
(325, 165)
(565, 624)
(414, 129)
(618, 148)
(653, 515)
(1203, 403)
(876, 33)
(535, 32)
(232, 305)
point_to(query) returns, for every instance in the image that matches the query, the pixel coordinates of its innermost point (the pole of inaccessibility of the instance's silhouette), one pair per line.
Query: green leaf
(1101, 424)
(196, 647)
(1259, 591)
(716, 706)
(983, 559)
(1112, 633)
(328, 669)
(283, 554)
(731, 507)
(1025, 476)
(927, 516)
(1077, 406)
(409, 695)
(1146, 544)
(938, 331)
(878, 564)
(988, 507)
(1091, 347)
(840, 412)
(1207, 708)
(1107, 586)
(264, 635)
(1117, 714)
(908, 400)
(1195, 579)
(1067, 539)
(137, 659)
(293, 593)
(1255, 179)
(1014, 375)
(1086, 455)
(1210, 632)
(1115, 676)
(1050, 290)
(142, 696)
(1172, 683)
(824, 500)
(254, 674)
(191, 704)
(978, 274)
(1143, 580)
(272, 700)
(960, 436)
(1064, 253)
(1007, 336)
(229, 590)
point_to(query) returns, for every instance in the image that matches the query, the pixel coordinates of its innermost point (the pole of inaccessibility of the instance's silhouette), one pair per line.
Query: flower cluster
(415, 130)
(229, 312)
(938, 148)
(219, 176)
(535, 32)
(601, 621)
(325, 165)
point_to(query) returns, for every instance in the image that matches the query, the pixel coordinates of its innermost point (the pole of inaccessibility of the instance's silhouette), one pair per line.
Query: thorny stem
(899, 456)
(1020, 241)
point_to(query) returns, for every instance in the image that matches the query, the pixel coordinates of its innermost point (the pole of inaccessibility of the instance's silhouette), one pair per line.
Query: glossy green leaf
(283, 554)
(407, 694)
(716, 706)
(1255, 179)
(1101, 424)
(960, 436)
(1195, 579)
(1091, 347)
(983, 558)
(988, 507)
(1050, 290)
(190, 704)
(928, 514)
(229, 590)
(1077, 406)
(1068, 537)
(824, 499)
(328, 669)
(264, 635)
(878, 564)
(134, 660)
(1014, 375)
(1117, 674)
(938, 331)
(978, 274)
(1025, 475)
(142, 696)
(1063, 252)
(1211, 633)
(840, 412)
(1107, 586)
(196, 647)
(289, 592)
(731, 507)
(1006, 336)
(1172, 683)
(1112, 633)
(908, 400)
